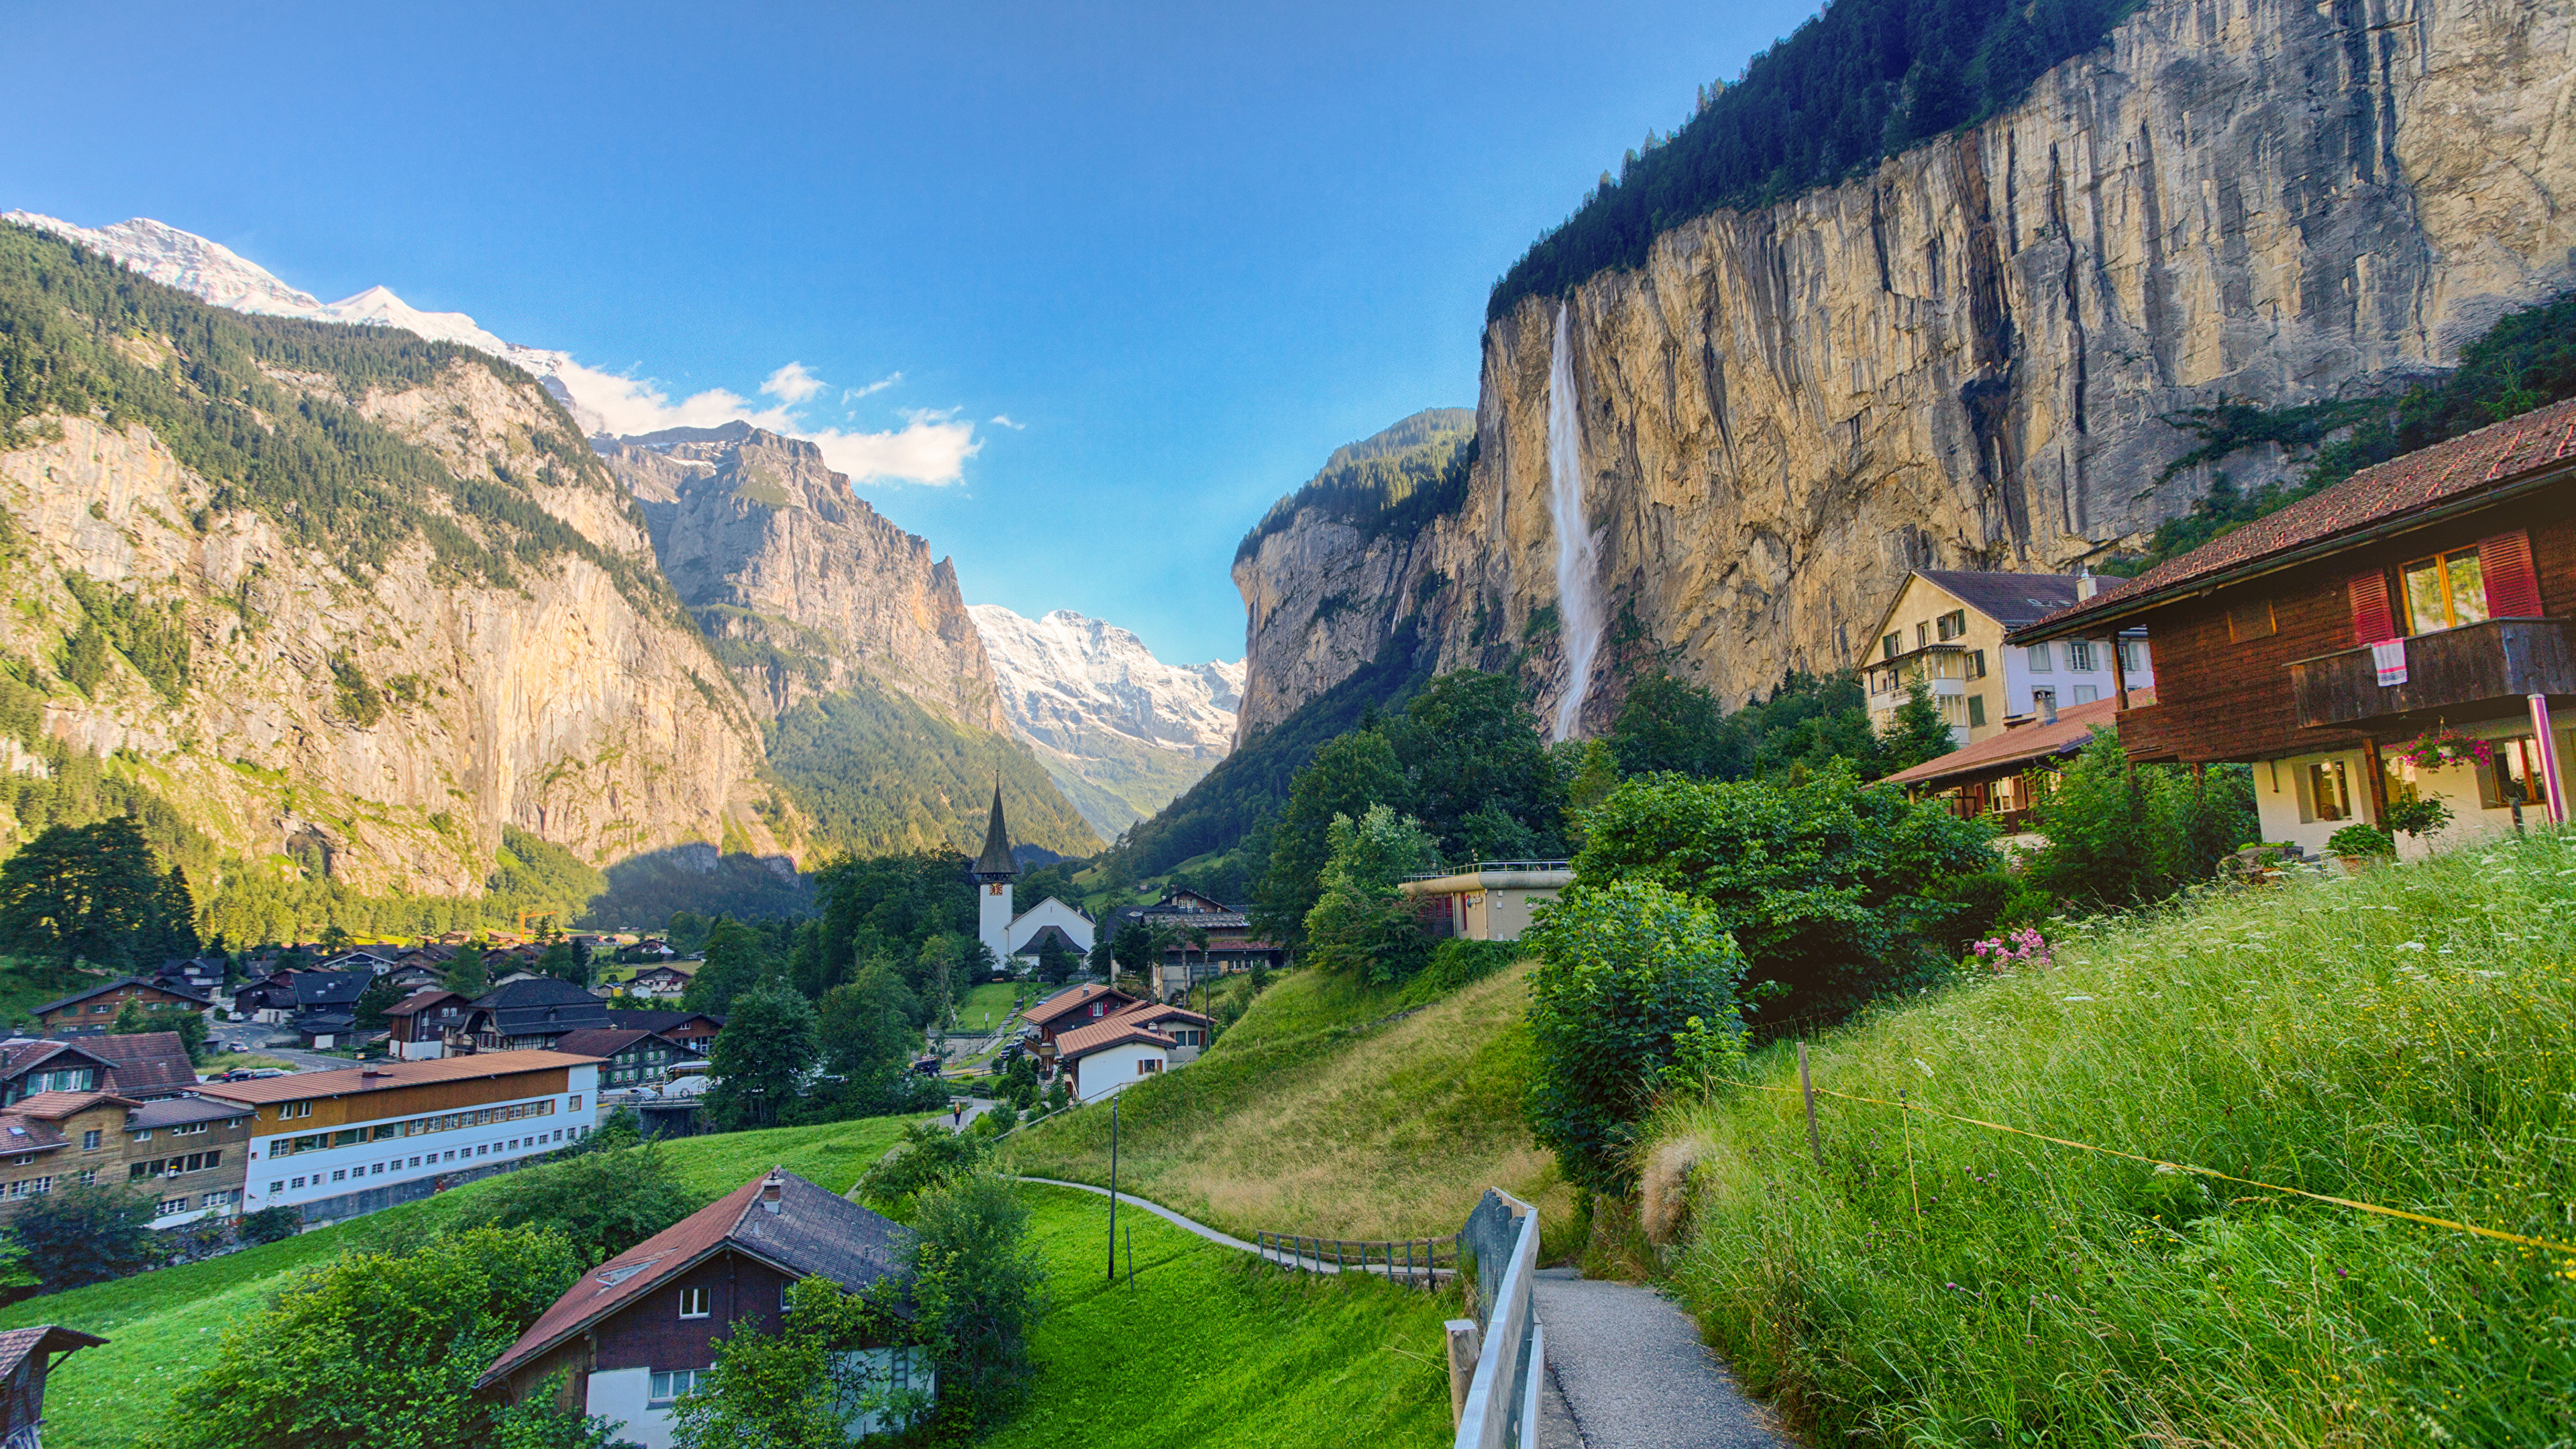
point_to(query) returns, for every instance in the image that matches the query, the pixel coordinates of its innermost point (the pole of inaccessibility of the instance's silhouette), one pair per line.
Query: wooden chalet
(2002, 777)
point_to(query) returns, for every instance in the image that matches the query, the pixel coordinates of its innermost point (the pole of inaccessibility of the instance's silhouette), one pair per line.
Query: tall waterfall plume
(1578, 565)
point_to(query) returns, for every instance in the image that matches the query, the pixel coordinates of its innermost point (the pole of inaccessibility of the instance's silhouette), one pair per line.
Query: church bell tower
(993, 873)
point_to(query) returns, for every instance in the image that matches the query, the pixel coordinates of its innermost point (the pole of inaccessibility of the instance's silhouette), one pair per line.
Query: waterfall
(1578, 569)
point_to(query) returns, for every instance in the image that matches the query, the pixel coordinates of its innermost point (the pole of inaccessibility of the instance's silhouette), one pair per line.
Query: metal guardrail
(1473, 866)
(1501, 1411)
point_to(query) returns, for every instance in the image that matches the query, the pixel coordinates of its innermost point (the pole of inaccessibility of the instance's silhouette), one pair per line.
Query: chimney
(2048, 709)
(2086, 586)
(770, 1190)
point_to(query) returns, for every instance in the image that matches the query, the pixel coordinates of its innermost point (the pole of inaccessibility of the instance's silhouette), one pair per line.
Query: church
(1015, 940)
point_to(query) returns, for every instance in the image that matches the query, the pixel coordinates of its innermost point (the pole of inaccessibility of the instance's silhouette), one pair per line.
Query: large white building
(1012, 937)
(338, 1144)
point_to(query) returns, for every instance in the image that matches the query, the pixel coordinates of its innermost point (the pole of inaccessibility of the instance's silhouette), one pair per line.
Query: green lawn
(1210, 1348)
(161, 1327)
(987, 1006)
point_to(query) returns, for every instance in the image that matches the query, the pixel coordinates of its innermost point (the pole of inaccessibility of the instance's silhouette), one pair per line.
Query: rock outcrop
(805, 588)
(1965, 358)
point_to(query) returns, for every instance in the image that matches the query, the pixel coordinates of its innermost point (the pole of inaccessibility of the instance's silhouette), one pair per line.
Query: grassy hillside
(876, 773)
(162, 1327)
(1314, 1115)
(2402, 1039)
(1210, 1348)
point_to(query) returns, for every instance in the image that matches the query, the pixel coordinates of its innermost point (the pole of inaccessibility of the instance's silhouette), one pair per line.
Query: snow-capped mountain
(1122, 732)
(218, 274)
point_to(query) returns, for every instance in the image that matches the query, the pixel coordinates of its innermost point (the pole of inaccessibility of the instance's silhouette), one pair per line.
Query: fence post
(1464, 1345)
(1808, 1090)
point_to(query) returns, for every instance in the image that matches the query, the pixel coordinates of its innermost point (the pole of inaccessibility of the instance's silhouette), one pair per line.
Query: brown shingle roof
(301, 1085)
(814, 1232)
(2008, 599)
(18, 1343)
(55, 1106)
(22, 1133)
(1145, 1013)
(1100, 1035)
(608, 1041)
(2528, 448)
(1055, 1007)
(2022, 744)
(144, 1063)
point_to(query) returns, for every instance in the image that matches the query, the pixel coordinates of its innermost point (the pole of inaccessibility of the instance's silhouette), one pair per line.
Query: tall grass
(2403, 1038)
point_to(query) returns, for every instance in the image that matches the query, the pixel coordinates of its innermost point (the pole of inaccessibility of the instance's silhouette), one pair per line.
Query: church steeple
(995, 863)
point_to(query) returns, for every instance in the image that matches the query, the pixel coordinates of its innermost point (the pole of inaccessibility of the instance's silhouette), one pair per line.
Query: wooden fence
(1419, 1261)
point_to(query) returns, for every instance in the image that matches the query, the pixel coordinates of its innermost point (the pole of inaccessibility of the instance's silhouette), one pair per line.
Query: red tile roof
(388, 1074)
(814, 1231)
(1082, 1041)
(22, 1133)
(1056, 1006)
(55, 1106)
(45, 1338)
(1145, 1013)
(2528, 448)
(2022, 744)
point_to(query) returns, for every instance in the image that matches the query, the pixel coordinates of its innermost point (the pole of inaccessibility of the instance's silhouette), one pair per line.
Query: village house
(1187, 1030)
(1187, 916)
(2003, 776)
(1073, 1007)
(667, 979)
(629, 1056)
(1104, 1056)
(142, 1065)
(1489, 900)
(199, 975)
(529, 1014)
(1946, 630)
(2403, 634)
(418, 1026)
(337, 1144)
(94, 1010)
(695, 1030)
(187, 1153)
(640, 1330)
(27, 1356)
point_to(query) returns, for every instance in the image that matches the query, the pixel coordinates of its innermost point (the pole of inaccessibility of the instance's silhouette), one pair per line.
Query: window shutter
(2513, 585)
(2371, 621)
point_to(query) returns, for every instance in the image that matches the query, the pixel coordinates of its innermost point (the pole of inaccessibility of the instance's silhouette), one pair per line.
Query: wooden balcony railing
(2497, 660)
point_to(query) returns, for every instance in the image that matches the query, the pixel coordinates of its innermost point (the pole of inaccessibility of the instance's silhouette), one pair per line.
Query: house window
(89, 1140)
(2079, 657)
(575, 1107)
(2043, 701)
(1922, 635)
(1976, 664)
(1952, 625)
(1148, 1067)
(88, 1176)
(2086, 694)
(2250, 620)
(2443, 592)
(2133, 656)
(1976, 710)
(694, 1303)
(286, 1110)
(275, 1188)
(1891, 646)
(299, 1184)
(2515, 773)
(2038, 658)
(2327, 790)
(675, 1384)
(170, 1205)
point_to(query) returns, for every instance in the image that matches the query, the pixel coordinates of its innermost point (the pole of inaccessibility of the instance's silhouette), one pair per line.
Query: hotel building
(338, 1144)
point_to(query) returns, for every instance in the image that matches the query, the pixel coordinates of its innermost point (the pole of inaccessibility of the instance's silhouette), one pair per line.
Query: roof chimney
(770, 1191)
(2047, 708)
(2086, 586)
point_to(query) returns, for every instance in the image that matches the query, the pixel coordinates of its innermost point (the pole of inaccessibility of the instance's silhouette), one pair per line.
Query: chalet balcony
(2500, 660)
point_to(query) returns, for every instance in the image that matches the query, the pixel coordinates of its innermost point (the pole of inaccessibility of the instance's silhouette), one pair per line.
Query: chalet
(411, 976)
(1489, 900)
(337, 1144)
(27, 1356)
(1075, 1007)
(527, 1014)
(1187, 1029)
(2002, 777)
(668, 979)
(695, 1030)
(2403, 634)
(203, 975)
(95, 1010)
(1189, 917)
(142, 1065)
(374, 961)
(629, 1056)
(1104, 1056)
(417, 1027)
(268, 996)
(634, 1335)
(1946, 631)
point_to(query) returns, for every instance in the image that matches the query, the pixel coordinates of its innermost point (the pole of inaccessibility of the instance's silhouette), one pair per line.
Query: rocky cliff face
(1963, 359)
(398, 720)
(1121, 732)
(805, 588)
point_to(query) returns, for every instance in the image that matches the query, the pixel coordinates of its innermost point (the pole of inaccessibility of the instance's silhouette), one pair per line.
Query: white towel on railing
(2390, 657)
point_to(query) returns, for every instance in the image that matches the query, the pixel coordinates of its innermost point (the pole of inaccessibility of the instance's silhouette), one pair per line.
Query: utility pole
(1113, 1189)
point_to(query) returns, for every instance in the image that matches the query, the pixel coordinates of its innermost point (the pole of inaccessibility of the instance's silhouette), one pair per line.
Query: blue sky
(1184, 253)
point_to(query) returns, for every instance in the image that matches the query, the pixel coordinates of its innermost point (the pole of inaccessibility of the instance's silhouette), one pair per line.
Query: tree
(1057, 961)
(1834, 892)
(1917, 733)
(1672, 724)
(1361, 927)
(736, 961)
(979, 1286)
(1139, 946)
(87, 1235)
(927, 1158)
(603, 1203)
(1635, 985)
(91, 892)
(564, 963)
(2121, 835)
(1346, 777)
(381, 1350)
(868, 1031)
(812, 1385)
(380, 993)
(768, 1044)
(188, 1026)
(466, 975)
(1476, 768)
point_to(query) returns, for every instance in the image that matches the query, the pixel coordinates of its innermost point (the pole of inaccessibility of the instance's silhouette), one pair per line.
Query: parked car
(234, 1046)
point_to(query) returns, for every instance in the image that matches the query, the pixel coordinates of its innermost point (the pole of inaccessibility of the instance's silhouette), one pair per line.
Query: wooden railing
(2499, 659)
(1423, 1262)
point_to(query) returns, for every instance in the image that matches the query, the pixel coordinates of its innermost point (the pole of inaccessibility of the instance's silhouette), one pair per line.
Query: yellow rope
(2367, 1207)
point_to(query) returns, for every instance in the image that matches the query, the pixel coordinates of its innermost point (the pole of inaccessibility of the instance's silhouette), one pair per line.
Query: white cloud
(931, 447)
(853, 394)
(1004, 420)
(792, 384)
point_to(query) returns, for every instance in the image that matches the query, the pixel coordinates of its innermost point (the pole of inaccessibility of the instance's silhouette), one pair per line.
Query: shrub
(1361, 927)
(1458, 962)
(928, 1157)
(601, 1202)
(2122, 835)
(2360, 839)
(270, 1225)
(1635, 984)
(979, 1286)
(87, 1235)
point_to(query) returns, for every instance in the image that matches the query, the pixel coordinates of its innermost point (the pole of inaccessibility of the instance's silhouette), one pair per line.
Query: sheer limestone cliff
(1964, 358)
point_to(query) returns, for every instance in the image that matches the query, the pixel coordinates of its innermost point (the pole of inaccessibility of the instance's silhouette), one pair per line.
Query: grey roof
(658, 1020)
(322, 989)
(177, 1111)
(996, 863)
(541, 1005)
(119, 983)
(2008, 599)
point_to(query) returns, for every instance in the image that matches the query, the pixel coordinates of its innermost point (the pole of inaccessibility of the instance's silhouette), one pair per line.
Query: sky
(1073, 291)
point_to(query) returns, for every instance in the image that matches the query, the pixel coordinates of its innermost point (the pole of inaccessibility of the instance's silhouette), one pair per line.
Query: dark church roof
(996, 863)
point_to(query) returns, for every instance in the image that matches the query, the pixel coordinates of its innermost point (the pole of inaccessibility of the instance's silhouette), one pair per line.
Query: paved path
(1272, 1255)
(1634, 1374)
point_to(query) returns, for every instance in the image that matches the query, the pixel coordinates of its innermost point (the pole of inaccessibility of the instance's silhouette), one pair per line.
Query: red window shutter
(2513, 585)
(2371, 621)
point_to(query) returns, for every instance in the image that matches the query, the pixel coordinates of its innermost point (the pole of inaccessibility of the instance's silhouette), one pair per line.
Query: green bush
(1458, 962)
(979, 1286)
(601, 1202)
(2122, 835)
(1635, 988)
(1361, 927)
(2360, 839)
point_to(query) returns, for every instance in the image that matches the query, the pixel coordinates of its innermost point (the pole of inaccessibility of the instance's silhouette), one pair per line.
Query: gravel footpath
(1635, 1376)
